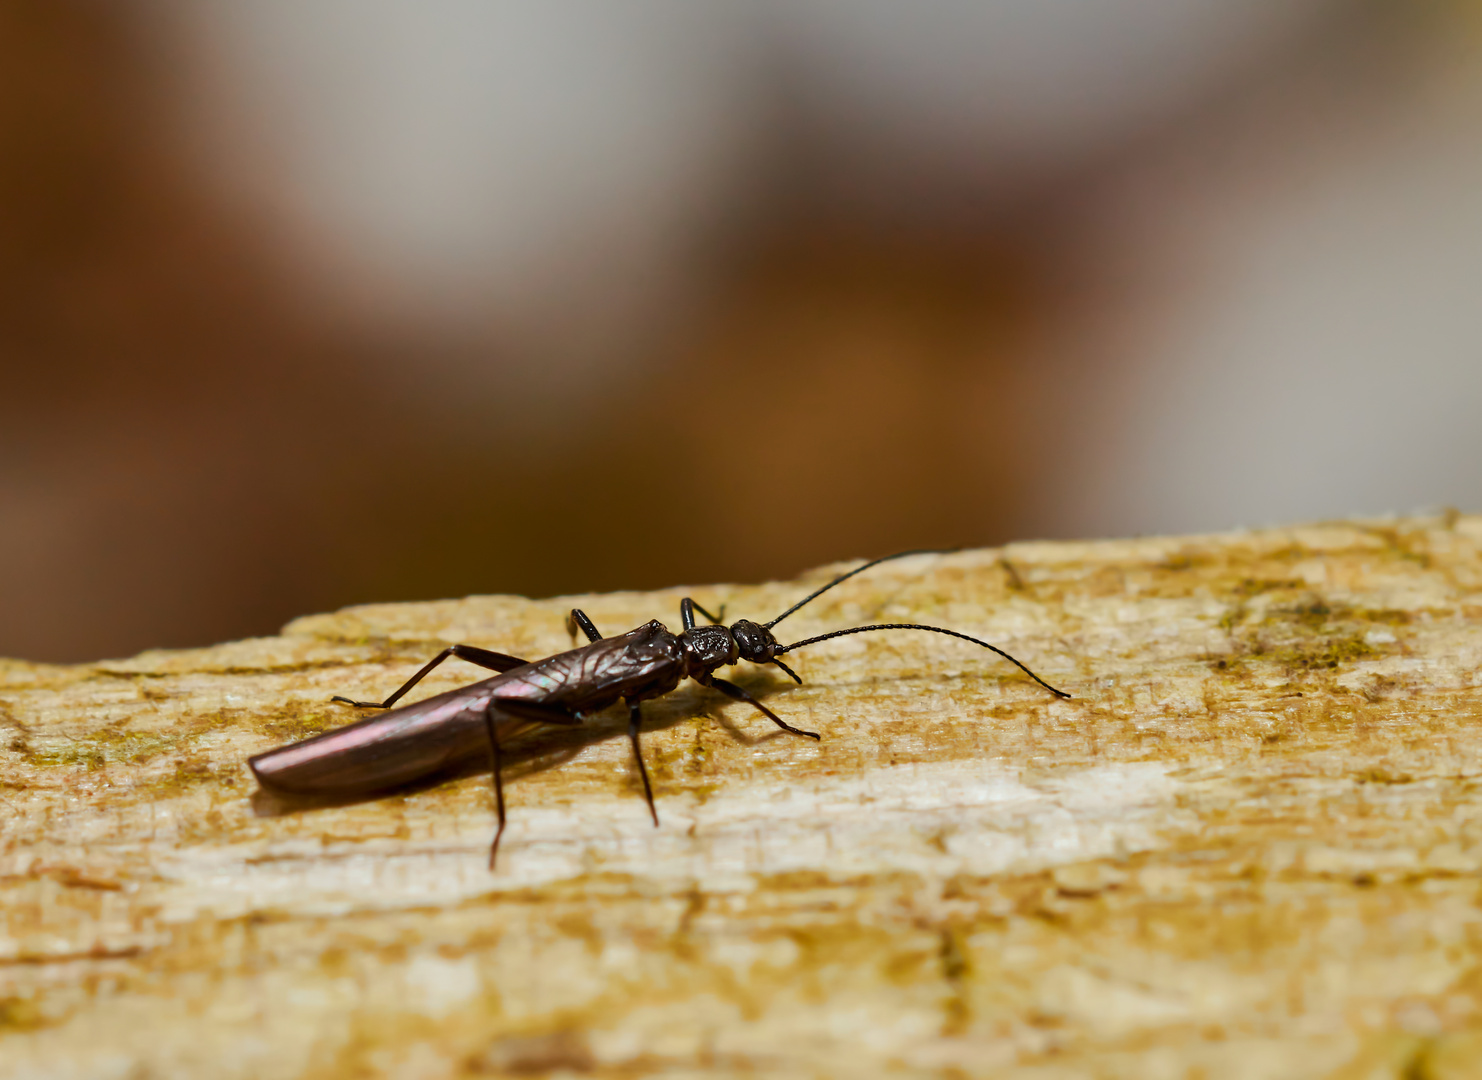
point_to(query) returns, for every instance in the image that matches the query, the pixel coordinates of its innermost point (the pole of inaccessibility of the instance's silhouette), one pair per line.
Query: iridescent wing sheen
(588, 679)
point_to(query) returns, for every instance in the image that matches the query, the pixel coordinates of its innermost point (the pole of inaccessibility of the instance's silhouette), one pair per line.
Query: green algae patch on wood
(1250, 845)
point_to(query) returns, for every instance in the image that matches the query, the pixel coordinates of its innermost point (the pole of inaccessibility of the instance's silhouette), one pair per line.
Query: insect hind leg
(484, 658)
(525, 710)
(496, 761)
(635, 721)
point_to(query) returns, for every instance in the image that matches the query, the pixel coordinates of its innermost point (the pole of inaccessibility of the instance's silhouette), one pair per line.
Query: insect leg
(484, 658)
(730, 689)
(578, 618)
(635, 721)
(687, 609)
(496, 760)
(537, 711)
(526, 710)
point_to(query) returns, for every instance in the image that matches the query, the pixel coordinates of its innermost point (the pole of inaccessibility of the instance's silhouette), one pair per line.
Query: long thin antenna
(857, 570)
(934, 630)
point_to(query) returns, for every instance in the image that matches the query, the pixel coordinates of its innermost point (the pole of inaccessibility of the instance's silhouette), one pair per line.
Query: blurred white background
(334, 301)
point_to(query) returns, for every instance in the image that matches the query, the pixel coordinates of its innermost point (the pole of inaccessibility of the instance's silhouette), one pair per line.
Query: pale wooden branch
(1250, 845)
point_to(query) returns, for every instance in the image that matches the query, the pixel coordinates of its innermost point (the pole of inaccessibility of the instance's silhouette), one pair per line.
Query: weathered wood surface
(1251, 846)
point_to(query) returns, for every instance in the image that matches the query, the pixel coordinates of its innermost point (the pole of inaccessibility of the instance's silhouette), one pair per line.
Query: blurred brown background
(305, 304)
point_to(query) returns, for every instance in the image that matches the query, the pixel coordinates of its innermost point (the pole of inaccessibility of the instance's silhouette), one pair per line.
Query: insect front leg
(484, 658)
(578, 618)
(730, 689)
(635, 721)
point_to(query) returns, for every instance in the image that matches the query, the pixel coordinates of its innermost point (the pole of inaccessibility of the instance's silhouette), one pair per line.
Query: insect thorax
(707, 648)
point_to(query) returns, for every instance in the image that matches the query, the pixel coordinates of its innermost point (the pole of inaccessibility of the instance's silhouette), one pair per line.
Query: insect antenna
(857, 570)
(934, 630)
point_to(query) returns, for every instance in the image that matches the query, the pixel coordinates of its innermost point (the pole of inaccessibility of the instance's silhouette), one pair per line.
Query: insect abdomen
(380, 752)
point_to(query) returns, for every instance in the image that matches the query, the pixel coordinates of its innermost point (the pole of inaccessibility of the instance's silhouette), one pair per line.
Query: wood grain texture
(1251, 846)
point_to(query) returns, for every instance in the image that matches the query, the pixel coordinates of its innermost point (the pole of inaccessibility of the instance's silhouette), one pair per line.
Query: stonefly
(429, 737)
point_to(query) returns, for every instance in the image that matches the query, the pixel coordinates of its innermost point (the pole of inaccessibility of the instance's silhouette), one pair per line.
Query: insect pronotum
(430, 736)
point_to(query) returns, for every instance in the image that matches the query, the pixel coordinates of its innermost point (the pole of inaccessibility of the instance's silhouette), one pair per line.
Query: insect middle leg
(578, 618)
(484, 658)
(687, 609)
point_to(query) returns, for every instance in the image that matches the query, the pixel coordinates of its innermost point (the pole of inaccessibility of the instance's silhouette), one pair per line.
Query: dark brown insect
(420, 740)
